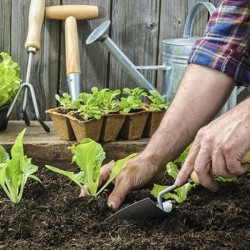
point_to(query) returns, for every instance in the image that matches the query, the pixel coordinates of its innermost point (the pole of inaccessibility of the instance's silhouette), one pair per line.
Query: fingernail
(82, 194)
(112, 205)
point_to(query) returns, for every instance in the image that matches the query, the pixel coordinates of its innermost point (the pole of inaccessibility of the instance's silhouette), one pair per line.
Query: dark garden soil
(53, 217)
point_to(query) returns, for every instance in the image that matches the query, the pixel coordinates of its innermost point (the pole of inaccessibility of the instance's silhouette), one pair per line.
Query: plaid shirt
(225, 45)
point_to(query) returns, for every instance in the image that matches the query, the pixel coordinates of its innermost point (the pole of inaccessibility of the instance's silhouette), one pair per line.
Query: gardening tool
(147, 209)
(175, 53)
(71, 13)
(36, 15)
(73, 70)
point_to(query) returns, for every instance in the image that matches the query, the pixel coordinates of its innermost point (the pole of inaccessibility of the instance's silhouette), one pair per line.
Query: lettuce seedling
(89, 156)
(132, 101)
(179, 194)
(15, 170)
(157, 102)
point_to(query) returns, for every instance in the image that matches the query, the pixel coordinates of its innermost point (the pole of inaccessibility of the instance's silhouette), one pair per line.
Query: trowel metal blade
(143, 209)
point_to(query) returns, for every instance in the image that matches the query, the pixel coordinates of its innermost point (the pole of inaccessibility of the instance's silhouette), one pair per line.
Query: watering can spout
(100, 34)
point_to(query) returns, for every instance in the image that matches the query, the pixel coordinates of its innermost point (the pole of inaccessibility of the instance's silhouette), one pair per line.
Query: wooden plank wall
(137, 27)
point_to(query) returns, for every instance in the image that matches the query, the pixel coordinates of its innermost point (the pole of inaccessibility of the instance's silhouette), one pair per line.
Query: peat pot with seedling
(156, 107)
(59, 116)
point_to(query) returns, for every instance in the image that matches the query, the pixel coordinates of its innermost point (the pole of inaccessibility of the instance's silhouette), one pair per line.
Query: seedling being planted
(15, 170)
(179, 194)
(89, 156)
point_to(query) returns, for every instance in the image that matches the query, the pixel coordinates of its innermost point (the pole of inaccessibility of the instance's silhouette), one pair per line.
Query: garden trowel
(147, 209)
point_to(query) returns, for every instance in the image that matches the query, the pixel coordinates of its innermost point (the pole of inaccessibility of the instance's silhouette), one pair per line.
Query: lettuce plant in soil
(89, 156)
(15, 170)
(9, 85)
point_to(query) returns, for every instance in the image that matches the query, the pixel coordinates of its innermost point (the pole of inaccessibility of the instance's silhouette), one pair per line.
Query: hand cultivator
(36, 16)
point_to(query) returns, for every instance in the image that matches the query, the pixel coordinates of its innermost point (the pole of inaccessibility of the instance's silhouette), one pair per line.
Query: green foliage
(179, 194)
(66, 102)
(90, 111)
(157, 102)
(108, 100)
(14, 172)
(132, 101)
(89, 156)
(9, 79)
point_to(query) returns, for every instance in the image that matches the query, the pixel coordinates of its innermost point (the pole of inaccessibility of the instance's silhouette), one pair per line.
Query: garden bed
(53, 217)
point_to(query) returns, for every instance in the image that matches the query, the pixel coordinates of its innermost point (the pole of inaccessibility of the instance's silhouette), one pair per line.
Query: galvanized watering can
(175, 53)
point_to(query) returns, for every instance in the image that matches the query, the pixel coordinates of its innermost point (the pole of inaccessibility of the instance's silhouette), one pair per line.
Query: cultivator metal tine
(25, 87)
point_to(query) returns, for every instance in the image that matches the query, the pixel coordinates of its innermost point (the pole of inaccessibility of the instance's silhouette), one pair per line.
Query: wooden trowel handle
(36, 16)
(72, 46)
(80, 12)
(245, 159)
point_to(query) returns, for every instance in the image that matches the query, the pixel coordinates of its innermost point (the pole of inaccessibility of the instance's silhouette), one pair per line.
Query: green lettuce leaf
(71, 175)
(89, 156)
(15, 172)
(115, 170)
(9, 79)
(179, 194)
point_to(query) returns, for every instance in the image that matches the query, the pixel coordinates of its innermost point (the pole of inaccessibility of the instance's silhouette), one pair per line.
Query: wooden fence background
(137, 27)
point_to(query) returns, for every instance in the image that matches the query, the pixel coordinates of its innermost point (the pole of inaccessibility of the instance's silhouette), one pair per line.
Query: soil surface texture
(53, 217)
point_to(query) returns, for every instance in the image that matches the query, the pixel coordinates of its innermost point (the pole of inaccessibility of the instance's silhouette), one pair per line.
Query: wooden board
(48, 148)
(135, 28)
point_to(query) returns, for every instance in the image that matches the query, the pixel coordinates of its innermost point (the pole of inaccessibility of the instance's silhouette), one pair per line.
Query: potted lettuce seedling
(15, 170)
(89, 156)
(88, 119)
(59, 118)
(136, 116)
(113, 119)
(157, 107)
(9, 85)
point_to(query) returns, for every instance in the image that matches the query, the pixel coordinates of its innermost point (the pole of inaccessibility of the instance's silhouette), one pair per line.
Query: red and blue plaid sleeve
(225, 45)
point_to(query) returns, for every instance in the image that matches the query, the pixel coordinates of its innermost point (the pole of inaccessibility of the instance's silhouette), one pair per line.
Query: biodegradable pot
(134, 124)
(153, 122)
(62, 124)
(3, 117)
(111, 127)
(85, 129)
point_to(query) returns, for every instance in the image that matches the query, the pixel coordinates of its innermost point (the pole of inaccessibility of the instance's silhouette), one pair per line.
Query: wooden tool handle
(79, 12)
(36, 16)
(72, 46)
(245, 159)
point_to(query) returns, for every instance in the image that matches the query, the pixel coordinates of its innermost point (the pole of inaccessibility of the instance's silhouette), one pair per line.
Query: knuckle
(200, 134)
(236, 171)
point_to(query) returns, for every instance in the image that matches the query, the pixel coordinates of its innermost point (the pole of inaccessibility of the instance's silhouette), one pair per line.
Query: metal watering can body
(175, 53)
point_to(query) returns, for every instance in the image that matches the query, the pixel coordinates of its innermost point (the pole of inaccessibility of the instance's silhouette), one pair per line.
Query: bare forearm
(201, 94)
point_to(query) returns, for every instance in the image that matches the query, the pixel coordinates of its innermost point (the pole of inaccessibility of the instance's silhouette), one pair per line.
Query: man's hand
(219, 147)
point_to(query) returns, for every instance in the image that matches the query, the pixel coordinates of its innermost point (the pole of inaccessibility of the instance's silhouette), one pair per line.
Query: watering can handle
(188, 28)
